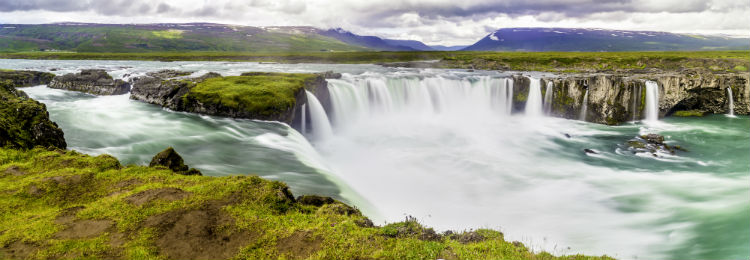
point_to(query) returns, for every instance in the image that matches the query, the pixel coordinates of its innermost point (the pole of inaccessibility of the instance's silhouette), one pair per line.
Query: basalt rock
(653, 144)
(173, 161)
(168, 74)
(94, 81)
(24, 122)
(24, 78)
(617, 98)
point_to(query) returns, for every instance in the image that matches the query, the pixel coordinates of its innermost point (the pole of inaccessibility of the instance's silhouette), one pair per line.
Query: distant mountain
(566, 39)
(372, 42)
(85, 37)
(448, 48)
(416, 45)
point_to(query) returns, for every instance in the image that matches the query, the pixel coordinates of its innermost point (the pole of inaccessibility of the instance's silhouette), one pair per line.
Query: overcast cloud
(447, 22)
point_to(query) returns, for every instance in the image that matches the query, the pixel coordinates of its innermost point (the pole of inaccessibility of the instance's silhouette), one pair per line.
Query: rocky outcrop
(173, 94)
(25, 78)
(173, 161)
(24, 122)
(94, 81)
(618, 98)
(168, 74)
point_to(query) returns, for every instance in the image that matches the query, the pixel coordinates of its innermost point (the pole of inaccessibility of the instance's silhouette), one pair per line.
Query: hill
(84, 37)
(595, 40)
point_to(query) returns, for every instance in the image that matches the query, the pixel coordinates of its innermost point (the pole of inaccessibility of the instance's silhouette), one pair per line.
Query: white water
(548, 98)
(731, 101)
(652, 102)
(584, 106)
(319, 124)
(534, 101)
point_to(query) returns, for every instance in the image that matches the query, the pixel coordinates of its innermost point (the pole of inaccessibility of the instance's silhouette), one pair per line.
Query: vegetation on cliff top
(24, 122)
(717, 61)
(63, 204)
(263, 94)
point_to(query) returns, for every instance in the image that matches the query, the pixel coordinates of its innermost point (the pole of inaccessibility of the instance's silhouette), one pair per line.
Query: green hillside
(165, 37)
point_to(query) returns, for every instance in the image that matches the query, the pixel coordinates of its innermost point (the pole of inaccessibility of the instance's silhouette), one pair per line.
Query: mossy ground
(63, 204)
(263, 94)
(688, 113)
(24, 122)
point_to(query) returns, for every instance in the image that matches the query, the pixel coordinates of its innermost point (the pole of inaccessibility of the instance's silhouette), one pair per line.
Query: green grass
(728, 61)
(264, 94)
(39, 187)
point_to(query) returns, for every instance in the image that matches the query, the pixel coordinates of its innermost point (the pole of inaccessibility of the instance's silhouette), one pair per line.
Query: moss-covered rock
(688, 113)
(24, 122)
(92, 81)
(173, 161)
(23, 78)
(59, 204)
(253, 95)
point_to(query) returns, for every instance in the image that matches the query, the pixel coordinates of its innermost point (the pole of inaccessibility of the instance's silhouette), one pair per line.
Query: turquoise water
(463, 167)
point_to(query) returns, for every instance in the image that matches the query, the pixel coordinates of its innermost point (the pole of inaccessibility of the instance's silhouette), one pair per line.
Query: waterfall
(636, 96)
(534, 100)
(731, 101)
(548, 98)
(319, 124)
(509, 98)
(652, 101)
(584, 106)
(303, 129)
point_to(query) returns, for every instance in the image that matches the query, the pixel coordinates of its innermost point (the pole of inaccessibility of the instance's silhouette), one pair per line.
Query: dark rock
(589, 151)
(94, 81)
(331, 75)
(24, 122)
(173, 161)
(314, 200)
(19, 78)
(653, 138)
(567, 135)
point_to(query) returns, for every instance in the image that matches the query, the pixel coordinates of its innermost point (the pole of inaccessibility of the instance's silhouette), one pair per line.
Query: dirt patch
(15, 171)
(68, 215)
(300, 245)
(18, 250)
(206, 233)
(127, 183)
(85, 228)
(166, 194)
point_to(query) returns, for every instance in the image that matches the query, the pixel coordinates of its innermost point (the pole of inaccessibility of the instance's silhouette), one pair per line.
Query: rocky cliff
(618, 98)
(95, 81)
(24, 122)
(262, 96)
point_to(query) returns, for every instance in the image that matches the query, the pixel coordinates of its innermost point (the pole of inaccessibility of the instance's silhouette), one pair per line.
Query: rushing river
(440, 145)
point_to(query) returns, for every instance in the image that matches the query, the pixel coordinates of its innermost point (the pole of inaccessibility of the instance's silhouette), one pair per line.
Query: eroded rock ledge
(618, 98)
(253, 95)
(94, 81)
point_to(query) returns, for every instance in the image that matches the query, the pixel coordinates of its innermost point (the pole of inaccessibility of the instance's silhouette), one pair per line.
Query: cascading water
(319, 124)
(584, 106)
(548, 98)
(534, 101)
(731, 101)
(509, 98)
(652, 101)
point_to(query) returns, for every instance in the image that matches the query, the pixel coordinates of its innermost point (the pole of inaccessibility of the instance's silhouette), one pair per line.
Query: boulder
(93, 81)
(168, 74)
(651, 143)
(173, 161)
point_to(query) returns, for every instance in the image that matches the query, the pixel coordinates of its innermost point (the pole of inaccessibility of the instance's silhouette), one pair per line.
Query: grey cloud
(163, 8)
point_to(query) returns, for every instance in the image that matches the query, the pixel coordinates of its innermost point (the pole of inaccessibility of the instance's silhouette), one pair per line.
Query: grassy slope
(62, 204)
(266, 94)
(722, 61)
(144, 38)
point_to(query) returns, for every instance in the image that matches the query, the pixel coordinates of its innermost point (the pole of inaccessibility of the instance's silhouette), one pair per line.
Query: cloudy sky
(448, 22)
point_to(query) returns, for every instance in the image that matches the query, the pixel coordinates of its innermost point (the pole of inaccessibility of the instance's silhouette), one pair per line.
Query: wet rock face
(94, 81)
(24, 122)
(26, 78)
(653, 144)
(617, 98)
(173, 161)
